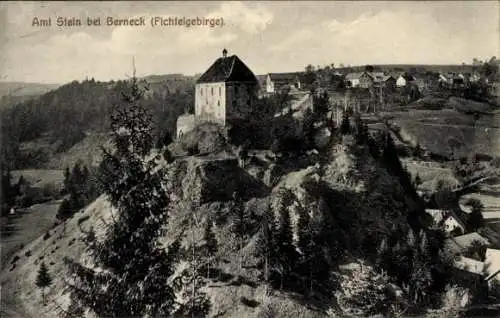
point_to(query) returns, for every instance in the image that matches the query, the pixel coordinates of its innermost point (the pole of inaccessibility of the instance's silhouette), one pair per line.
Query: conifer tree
(303, 229)
(210, 244)
(64, 213)
(267, 247)
(284, 239)
(43, 280)
(240, 223)
(345, 126)
(135, 267)
(194, 302)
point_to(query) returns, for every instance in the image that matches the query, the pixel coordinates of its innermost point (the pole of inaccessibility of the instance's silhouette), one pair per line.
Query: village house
(492, 268)
(366, 80)
(448, 221)
(352, 79)
(276, 82)
(404, 79)
(386, 81)
(224, 93)
(370, 79)
(469, 273)
(460, 244)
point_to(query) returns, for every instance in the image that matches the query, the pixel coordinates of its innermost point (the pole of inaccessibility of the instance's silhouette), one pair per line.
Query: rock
(213, 179)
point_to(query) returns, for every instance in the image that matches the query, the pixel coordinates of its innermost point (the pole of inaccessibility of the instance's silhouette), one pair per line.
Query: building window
(220, 91)
(201, 91)
(212, 91)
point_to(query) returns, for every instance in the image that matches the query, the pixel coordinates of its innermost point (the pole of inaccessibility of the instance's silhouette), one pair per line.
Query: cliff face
(205, 179)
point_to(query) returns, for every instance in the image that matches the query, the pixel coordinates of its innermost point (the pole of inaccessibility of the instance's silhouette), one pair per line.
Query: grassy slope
(225, 293)
(18, 284)
(39, 177)
(26, 226)
(433, 129)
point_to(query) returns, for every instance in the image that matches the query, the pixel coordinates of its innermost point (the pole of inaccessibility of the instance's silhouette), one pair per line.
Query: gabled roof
(458, 244)
(456, 218)
(469, 265)
(466, 240)
(227, 69)
(437, 214)
(284, 77)
(407, 77)
(351, 76)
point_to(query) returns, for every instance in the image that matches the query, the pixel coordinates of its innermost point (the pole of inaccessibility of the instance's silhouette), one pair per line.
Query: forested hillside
(65, 116)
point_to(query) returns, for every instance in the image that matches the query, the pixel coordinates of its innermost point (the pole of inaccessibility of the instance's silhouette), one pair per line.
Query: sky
(276, 36)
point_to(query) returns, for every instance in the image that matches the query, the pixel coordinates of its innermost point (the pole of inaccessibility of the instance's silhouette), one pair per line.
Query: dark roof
(279, 77)
(227, 69)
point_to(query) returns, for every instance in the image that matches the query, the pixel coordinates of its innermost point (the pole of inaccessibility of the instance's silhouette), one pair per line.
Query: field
(25, 226)
(444, 131)
(39, 177)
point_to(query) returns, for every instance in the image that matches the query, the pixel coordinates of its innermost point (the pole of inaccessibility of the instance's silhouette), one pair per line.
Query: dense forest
(66, 115)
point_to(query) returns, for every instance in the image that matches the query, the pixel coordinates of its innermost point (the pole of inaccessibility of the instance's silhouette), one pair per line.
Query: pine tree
(476, 219)
(189, 283)
(284, 239)
(136, 268)
(240, 224)
(266, 246)
(67, 179)
(303, 229)
(43, 280)
(345, 126)
(418, 180)
(64, 213)
(210, 244)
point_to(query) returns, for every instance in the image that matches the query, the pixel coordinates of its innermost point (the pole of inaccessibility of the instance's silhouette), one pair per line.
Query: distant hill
(25, 89)
(418, 67)
(65, 115)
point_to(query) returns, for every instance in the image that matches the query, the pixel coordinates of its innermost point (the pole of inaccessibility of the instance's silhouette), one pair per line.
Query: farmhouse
(352, 79)
(276, 82)
(447, 220)
(386, 81)
(459, 244)
(404, 79)
(365, 80)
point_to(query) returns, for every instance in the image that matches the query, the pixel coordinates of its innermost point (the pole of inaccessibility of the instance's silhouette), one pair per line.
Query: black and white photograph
(249, 159)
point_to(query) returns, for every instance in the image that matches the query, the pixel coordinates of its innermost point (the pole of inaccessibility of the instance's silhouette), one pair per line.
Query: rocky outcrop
(208, 179)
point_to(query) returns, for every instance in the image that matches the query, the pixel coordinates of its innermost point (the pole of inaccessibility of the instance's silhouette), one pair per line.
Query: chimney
(224, 53)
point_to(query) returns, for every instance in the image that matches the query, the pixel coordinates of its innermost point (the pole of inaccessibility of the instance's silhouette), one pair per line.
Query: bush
(50, 190)
(15, 259)
(364, 292)
(27, 254)
(46, 236)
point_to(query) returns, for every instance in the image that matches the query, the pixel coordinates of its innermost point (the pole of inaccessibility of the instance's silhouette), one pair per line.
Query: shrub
(249, 302)
(27, 254)
(46, 236)
(364, 292)
(15, 259)
(167, 155)
(50, 190)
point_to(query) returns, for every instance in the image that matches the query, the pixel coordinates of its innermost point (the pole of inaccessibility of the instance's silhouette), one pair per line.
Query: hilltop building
(224, 93)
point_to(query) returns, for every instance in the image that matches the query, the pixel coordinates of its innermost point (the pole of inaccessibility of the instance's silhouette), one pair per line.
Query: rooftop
(227, 69)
